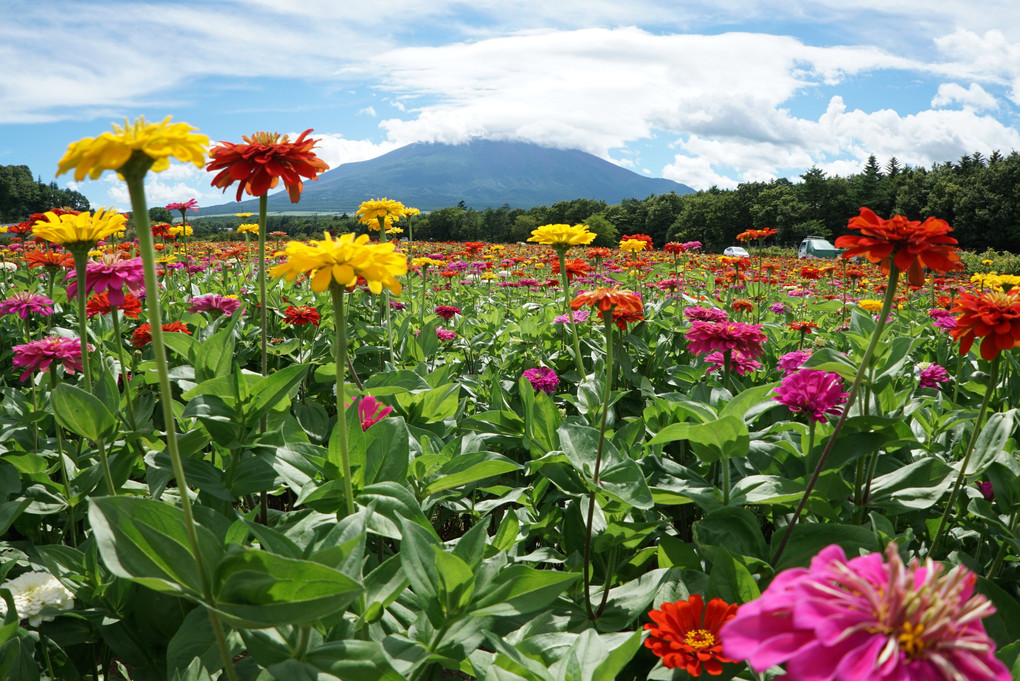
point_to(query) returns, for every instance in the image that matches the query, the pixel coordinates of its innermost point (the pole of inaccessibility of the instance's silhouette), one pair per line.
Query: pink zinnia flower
(932, 375)
(445, 335)
(792, 361)
(190, 204)
(866, 619)
(738, 363)
(447, 311)
(39, 355)
(113, 275)
(579, 316)
(24, 302)
(370, 411)
(705, 314)
(706, 337)
(215, 304)
(813, 391)
(543, 378)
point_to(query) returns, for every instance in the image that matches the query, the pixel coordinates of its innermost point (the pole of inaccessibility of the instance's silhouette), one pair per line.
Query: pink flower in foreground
(543, 378)
(22, 303)
(706, 337)
(113, 275)
(370, 411)
(39, 355)
(866, 619)
(815, 392)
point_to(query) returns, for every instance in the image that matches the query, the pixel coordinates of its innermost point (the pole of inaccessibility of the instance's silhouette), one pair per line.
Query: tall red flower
(262, 160)
(686, 634)
(911, 244)
(992, 315)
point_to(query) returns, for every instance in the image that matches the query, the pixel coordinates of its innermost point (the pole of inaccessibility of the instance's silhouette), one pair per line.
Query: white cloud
(368, 111)
(974, 97)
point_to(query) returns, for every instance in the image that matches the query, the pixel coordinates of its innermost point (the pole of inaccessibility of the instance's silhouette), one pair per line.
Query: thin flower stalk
(336, 291)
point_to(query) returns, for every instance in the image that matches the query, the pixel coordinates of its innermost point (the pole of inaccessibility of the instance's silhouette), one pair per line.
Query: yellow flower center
(699, 639)
(910, 640)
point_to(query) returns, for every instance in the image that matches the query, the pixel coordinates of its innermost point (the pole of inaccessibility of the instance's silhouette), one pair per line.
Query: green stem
(119, 342)
(993, 380)
(890, 294)
(1001, 555)
(565, 281)
(263, 316)
(134, 174)
(80, 253)
(340, 358)
(607, 318)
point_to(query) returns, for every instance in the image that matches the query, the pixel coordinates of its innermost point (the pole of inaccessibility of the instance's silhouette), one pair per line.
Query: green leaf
(273, 389)
(720, 439)
(146, 541)
(520, 589)
(82, 414)
(258, 589)
(455, 579)
(991, 441)
(353, 661)
(735, 528)
(541, 419)
(730, 580)
(387, 450)
(418, 560)
(468, 468)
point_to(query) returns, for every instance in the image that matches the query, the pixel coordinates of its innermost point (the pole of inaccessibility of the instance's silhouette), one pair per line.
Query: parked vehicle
(816, 248)
(737, 252)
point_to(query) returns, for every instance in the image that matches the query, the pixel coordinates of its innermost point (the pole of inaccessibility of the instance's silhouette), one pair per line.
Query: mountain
(480, 173)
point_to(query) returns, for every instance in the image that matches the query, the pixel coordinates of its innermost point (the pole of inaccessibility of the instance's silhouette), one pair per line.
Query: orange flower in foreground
(686, 634)
(912, 245)
(262, 160)
(992, 315)
(609, 299)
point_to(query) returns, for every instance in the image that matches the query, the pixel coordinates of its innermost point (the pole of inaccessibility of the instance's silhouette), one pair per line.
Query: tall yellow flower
(110, 151)
(248, 228)
(370, 212)
(83, 228)
(343, 261)
(177, 230)
(562, 236)
(633, 245)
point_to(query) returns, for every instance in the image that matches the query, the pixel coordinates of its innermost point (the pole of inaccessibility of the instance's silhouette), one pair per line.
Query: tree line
(21, 195)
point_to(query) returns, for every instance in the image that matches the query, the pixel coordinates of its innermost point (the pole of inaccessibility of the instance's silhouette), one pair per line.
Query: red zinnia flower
(142, 336)
(686, 634)
(992, 315)
(100, 304)
(912, 245)
(260, 163)
(706, 337)
(607, 299)
(48, 259)
(742, 305)
(804, 327)
(301, 315)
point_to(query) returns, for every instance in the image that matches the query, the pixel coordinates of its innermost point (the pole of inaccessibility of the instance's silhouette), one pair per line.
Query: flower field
(363, 457)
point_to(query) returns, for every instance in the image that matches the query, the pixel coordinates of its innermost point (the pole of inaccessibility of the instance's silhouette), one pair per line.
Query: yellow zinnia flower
(243, 215)
(110, 151)
(369, 212)
(177, 230)
(83, 228)
(343, 261)
(870, 305)
(633, 245)
(249, 228)
(427, 262)
(562, 236)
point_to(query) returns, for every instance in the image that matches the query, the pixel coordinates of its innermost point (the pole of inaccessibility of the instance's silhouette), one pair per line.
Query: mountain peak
(481, 173)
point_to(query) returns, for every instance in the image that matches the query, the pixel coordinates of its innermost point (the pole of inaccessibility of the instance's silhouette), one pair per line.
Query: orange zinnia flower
(912, 245)
(48, 259)
(606, 299)
(686, 634)
(260, 163)
(992, 315)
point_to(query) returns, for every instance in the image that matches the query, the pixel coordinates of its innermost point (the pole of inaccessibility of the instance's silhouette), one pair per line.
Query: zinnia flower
(82, 228)
(706, 337)
(910, 244)
(812, 391)
(932, 375)
(561, 236)
(142, 336)
(792, 361)
(705, 314)
(447, 311)
(369, 212)
(542, 378)
(301, 315)
(738, 363)
(686, 634)
(992, 315)
(866, 619)
(370, 411)
(215, 304)
(633, 245)
(184, 206)
(343, 261)
(33, 592)
(22, 303)
(110, 151)
(249, 228)
(40, 354)
(444, 335)
(100, 304)
(111, 274)
(605, 299)
(262, 160)
(49, 259)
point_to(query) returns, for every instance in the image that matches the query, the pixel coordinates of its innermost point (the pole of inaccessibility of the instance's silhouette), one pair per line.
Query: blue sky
(705, 92)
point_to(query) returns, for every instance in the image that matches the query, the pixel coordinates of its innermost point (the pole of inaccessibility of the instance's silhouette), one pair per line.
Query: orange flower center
(699, 639)
(910, 640)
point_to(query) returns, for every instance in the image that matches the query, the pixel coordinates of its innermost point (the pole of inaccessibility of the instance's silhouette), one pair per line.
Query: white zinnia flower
(32, 592)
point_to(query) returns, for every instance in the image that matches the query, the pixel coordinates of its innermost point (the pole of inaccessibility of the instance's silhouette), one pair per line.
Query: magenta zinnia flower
(738, 363)
(215, 304)
(866, 619)
(445, 335)
(113, 275)
(39, 355)
(543, 378)
(706, 337)
(447, 311)
(705, 314)
(791, 361)
(370, 411)
(812, 391)
(932, 375)
(24, 302)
